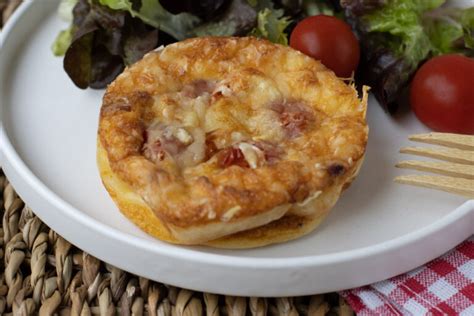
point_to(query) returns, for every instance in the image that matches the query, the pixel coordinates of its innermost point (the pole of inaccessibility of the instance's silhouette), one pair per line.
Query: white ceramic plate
(377, 230)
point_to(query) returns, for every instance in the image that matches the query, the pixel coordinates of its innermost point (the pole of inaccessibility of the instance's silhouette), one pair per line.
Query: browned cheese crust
(223, 135)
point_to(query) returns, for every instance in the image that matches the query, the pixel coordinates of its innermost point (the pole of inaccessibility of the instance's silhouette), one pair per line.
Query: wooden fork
(458, 170)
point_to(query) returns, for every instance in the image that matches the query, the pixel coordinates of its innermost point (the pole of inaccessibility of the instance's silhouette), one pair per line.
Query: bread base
(284, 229)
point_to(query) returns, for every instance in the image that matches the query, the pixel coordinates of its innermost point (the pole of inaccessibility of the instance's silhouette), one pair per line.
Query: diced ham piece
(271, 151)
(231, 156)
(198, 88)
(248, 155)
(294, 117)
(211, 148)
(160, 140)
(154, 151)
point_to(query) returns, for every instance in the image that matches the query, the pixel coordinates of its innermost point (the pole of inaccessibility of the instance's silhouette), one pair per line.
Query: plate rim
(336, 257)
(13, 163)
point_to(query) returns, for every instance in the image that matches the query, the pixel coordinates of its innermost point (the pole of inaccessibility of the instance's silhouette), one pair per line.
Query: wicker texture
(43, 274)
(6, 9)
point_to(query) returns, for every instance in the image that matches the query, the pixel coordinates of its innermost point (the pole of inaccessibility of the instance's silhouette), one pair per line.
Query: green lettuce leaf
(271, 24)
(403, 21)
(248, 17)
(152, 13)
(443, 33)
(117, 4)
(62, 42)
(64, 38)
(253, 3)
(397, 36)
(65, 9)
(260, 5)
(316, 7)
(467, 21)
(418, 29)
(450, 30)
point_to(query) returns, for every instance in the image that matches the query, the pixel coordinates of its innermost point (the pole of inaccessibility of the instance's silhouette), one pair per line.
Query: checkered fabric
(444, 286)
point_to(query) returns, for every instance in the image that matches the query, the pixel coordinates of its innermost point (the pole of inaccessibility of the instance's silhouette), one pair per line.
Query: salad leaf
(65, 9)
(117, 4)
(107, 35)
(205, 9)
(94, 51)
(290, 6)
(271, 25)
(397, 36)
(315, 7)
(444, 29)
(297, 10)
(64, 38)
(78, 61)
(103, 42)
(467, 21)
(238, 19)
(152, 13)
(271, 22)
(253, 3)
(402, 20)
(260, 5)
(138, 40)
(62, 42)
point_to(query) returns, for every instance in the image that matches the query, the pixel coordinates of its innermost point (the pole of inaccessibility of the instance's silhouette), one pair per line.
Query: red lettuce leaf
(104, 42)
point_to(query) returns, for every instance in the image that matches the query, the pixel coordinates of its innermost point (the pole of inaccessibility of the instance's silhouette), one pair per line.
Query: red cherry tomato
(330, 40)
(442, 94)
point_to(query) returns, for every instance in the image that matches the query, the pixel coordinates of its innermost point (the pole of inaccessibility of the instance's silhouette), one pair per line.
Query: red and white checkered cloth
(444, 286)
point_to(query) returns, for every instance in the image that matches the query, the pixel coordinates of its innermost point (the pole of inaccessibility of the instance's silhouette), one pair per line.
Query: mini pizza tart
(230, 142)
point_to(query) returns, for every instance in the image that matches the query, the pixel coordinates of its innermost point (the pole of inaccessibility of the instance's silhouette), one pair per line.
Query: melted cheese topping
(231, 122)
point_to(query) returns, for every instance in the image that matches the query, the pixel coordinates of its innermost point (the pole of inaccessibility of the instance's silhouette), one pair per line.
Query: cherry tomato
(442, 94)
(330, 40)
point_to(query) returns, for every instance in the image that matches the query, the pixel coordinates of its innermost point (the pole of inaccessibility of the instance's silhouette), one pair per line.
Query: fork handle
(459, 186)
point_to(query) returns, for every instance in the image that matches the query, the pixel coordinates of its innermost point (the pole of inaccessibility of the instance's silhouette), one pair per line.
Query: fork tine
(453, 185)
(465, 142)
(447, 154)
(445, 168)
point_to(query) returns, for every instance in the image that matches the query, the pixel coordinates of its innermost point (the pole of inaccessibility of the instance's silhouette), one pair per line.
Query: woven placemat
(6, 9)
(41, 273)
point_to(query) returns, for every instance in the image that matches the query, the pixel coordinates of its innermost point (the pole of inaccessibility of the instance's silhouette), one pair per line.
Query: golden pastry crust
(287, 228)
(221, 135)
